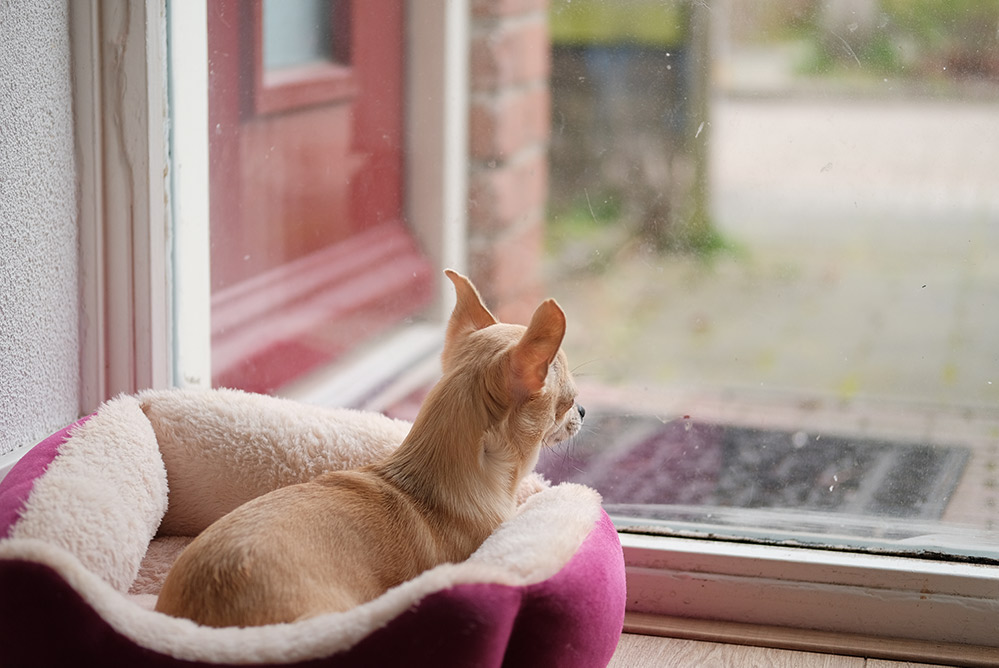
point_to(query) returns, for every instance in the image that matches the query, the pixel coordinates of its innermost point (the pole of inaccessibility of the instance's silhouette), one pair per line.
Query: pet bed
(92, 518)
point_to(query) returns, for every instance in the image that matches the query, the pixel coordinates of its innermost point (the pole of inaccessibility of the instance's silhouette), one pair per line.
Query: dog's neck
(477, 468)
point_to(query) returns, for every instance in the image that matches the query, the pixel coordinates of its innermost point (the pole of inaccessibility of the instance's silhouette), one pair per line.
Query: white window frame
(120, 110)
(812, 599)
(147, 325)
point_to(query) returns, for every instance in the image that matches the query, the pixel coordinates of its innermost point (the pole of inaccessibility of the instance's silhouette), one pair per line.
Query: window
(301, 53)
(715, 241)
(775, 244)
(316, 247)
(310, 250)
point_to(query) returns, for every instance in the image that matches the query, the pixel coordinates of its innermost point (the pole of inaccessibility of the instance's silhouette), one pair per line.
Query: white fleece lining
(222, 448)
(528, 549)
(103, 496)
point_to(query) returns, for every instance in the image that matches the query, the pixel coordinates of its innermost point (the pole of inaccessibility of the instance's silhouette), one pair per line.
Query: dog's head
(520, 373)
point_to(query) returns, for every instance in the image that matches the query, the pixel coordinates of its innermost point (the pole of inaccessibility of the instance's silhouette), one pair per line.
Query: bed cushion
(87, 533)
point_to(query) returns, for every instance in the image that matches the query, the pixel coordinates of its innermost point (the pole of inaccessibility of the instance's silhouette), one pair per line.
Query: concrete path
(867, 261)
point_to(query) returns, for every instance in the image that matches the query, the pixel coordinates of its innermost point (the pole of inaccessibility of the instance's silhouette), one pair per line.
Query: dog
(346, 537)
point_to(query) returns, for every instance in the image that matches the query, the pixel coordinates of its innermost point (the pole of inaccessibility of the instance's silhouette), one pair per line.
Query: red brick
(510, 53)
(501, 197)
(500, 125)
(508, 270)
(509, 120)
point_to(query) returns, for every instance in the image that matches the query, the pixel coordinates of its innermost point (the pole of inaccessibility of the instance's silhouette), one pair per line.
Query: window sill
(388, 370)
(833, 593)
(804, 640)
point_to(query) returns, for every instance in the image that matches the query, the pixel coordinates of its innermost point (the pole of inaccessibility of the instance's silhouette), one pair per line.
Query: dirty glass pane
(312, 257)
(296, 32)
(775, 228)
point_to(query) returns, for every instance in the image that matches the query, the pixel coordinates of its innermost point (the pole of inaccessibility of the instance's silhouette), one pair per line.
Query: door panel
(306, 177)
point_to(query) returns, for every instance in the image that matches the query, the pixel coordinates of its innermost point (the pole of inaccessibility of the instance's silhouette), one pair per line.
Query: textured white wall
(39, 369)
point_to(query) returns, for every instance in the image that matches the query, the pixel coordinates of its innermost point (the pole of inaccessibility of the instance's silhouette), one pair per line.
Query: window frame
(120, 106)
(155, 332)
(889, 606)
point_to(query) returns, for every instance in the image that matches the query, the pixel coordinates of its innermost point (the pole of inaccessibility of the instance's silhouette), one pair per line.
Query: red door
(310, 255)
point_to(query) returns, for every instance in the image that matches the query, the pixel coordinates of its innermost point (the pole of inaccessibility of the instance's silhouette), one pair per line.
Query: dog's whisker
(582, 364)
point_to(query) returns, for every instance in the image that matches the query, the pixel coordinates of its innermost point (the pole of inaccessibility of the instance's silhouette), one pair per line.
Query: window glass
(311, 257)
(296, 32)
(775, 229)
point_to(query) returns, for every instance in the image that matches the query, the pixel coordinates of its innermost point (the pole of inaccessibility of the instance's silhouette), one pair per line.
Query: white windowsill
(374, 378)
(838, 592)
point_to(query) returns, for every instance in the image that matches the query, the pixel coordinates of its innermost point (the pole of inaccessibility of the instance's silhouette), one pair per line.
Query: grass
(593, 234)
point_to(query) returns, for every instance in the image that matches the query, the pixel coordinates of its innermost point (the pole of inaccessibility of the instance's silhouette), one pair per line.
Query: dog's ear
(531, 357)
(469, 312)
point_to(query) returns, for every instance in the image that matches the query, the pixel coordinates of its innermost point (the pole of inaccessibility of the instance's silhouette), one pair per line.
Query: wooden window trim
(863, 645)
(796, 588)
(120, 106)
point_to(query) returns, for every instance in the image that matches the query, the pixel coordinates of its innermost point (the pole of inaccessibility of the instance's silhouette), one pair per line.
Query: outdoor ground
(859, 293)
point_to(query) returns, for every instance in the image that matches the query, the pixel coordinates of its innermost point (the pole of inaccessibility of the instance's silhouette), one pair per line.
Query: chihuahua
(346, 537)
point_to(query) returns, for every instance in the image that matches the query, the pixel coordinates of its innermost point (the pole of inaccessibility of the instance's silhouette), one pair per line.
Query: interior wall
(39, 368)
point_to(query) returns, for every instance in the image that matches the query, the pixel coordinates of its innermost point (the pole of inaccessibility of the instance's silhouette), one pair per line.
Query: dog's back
(347, 537)
(321, 546)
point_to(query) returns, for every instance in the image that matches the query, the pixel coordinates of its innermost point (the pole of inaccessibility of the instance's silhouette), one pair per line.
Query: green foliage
(586, 218)
(706, 244)
(932, 32)
(663, 23)
(939, 23)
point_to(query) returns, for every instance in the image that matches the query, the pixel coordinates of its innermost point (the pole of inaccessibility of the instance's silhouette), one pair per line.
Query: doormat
(639, 460)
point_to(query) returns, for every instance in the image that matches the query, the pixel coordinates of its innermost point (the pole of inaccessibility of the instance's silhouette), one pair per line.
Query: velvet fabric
(572, 620)
(16, 485)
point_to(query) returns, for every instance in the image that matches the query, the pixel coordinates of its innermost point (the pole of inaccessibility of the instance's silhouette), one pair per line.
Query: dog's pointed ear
(530, 359)
(469, 314)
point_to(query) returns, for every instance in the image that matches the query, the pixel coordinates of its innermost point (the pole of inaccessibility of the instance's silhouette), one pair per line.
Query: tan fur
(346, 537)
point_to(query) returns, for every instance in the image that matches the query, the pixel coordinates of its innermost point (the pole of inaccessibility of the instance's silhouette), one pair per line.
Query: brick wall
(508, 166)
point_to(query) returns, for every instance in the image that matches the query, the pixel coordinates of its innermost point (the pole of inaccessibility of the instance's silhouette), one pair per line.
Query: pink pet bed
(92, 517)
